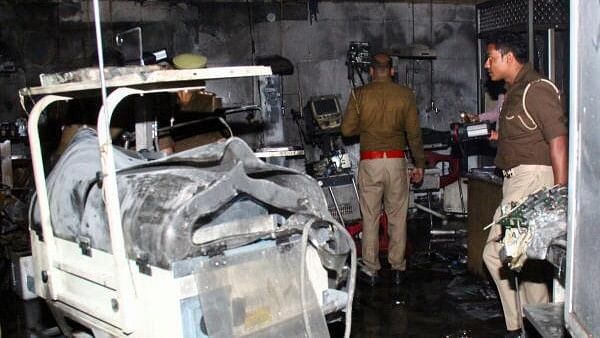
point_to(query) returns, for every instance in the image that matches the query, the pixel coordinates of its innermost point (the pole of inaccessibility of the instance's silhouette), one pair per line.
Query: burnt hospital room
(299, 168)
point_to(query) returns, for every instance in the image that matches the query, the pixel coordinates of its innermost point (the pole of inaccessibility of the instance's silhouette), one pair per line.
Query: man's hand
(468, 117)
(416, 175)
(184, 97)
(493, 136)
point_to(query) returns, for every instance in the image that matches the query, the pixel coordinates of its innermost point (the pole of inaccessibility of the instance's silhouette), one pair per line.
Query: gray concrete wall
(58, 36)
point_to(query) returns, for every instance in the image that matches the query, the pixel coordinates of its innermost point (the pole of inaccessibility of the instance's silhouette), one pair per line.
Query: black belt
(508, 173)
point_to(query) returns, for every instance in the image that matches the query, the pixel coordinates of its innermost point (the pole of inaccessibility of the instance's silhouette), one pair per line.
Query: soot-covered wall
(44, 37)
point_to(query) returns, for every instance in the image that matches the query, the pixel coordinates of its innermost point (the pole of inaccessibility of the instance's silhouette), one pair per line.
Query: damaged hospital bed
(209, 242)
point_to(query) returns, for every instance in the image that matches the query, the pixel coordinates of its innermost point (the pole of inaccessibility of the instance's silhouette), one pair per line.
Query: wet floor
(438, 299)
(435, 301)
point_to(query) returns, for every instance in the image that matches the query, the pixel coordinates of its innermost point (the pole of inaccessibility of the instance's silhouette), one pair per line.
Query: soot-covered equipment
(210, 242)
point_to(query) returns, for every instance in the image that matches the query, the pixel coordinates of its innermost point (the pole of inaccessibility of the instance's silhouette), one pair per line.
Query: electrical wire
(281, 27)
(431, 87)
(222, 120)
(31, 208)
(303, 267)
(412, 5)
(251, 29)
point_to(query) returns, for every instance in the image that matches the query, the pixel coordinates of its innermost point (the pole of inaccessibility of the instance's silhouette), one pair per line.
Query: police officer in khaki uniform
(532, 153)
(384, 114)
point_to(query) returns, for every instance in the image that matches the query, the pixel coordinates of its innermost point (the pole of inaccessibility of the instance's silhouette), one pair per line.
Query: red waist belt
(375, 154)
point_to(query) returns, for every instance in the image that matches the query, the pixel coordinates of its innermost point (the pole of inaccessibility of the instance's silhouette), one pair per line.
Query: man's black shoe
(369, 278)
(513, 334)
(398, 277)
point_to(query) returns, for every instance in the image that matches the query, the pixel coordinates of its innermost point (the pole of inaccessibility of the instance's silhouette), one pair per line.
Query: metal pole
(430, 214)
(337, 208)
(125, 289)
(355, 189)
(480, 100)
(7, 172)
(518, 300)
(480, 82)
(551, 54)
(530, 32)
(579, 24)
(430, 211)
(42, 190)
(100, 50)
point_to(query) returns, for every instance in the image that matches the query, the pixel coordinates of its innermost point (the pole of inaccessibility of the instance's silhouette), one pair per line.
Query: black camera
(359, 56)
(463, 132)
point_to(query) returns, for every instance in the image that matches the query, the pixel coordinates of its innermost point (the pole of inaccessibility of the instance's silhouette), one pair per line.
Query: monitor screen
(325, 106)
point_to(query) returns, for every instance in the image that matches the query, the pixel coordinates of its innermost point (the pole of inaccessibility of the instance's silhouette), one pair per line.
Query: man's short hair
(510, 42)
(381, 61)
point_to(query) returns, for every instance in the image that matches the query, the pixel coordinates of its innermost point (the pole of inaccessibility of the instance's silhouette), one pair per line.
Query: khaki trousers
(525, 180)
(383, 180)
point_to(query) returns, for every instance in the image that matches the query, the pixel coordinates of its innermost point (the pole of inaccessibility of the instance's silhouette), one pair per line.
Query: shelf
(144, 77)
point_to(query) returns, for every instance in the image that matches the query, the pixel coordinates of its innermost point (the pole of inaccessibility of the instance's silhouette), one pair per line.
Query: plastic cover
(257, 294)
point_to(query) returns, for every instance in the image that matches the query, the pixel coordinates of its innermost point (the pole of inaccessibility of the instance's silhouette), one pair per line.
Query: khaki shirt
(384, 114)
(520, 140)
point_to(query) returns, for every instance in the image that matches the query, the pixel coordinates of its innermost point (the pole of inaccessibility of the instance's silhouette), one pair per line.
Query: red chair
(433, 158)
